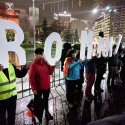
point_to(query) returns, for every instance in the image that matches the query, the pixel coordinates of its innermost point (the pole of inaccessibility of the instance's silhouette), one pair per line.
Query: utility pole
(34, 28)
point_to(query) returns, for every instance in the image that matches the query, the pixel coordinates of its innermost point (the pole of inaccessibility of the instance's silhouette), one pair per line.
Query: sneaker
(48, 116)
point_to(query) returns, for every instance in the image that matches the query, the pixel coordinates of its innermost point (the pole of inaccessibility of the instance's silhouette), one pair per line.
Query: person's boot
(48, 116)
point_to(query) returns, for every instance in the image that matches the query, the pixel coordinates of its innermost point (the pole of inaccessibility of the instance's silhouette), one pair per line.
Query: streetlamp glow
(86, 28)
(64, 12)
(110, 10)
(115, 10)
(95, 10)
(108, 7)
(34, 28)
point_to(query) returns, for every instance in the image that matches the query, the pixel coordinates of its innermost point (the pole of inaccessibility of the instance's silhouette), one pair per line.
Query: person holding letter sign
(72, 75)
(8, 94)
(39, 77)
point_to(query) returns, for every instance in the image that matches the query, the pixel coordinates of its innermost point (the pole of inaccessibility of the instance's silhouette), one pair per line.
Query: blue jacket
(74, 70)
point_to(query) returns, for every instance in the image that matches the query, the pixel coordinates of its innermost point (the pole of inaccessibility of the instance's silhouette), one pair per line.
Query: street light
(95, 10)
(86, 28)
(34, 29)
(110, 10)
(64, 12)
(115, 10)
(108, 7)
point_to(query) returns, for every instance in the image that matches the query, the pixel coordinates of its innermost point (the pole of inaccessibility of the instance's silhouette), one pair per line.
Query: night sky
(82, 12)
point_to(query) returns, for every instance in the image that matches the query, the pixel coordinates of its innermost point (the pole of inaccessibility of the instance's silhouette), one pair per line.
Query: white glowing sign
(11, 46)
(53, 37)
(86, 41)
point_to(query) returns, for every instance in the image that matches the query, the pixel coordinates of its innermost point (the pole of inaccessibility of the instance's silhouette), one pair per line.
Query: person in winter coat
(100, 69)
(122, 59)
(72, 75)
(8, 94)
(39, 77)
(113, 68)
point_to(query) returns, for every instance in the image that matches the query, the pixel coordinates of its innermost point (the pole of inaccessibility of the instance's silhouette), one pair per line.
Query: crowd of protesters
(94, 73)
(76, 72)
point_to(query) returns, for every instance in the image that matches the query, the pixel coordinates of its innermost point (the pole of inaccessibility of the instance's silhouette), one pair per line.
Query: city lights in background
(95, 10)
(64, 12)
(107, 9)
(61, 14)
(110, 10)
(86, 28)
(115, 10)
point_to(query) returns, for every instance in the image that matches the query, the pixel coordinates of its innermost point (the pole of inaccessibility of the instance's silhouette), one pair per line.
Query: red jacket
(39, 75)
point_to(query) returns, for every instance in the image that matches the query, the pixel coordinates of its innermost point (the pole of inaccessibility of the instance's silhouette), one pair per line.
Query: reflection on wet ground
(109, 103)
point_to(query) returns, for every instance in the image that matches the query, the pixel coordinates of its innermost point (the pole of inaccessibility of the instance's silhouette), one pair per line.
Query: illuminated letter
(86, 41)
(108, 49)
(53, 37)
(11, 46)
(118, 43)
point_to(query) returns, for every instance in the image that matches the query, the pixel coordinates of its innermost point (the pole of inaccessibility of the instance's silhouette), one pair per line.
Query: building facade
(113, 24)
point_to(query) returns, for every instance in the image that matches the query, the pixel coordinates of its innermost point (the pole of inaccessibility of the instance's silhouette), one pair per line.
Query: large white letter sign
(86, 41)
(53, 37)
(101, 47)
(118, 43)
(11, 46)
(109, 41)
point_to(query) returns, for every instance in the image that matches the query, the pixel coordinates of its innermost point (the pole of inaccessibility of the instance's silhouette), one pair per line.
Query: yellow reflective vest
(8, 86)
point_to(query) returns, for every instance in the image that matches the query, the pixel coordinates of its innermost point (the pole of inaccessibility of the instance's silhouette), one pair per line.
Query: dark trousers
(70, 90)
(112, 76)
(122, 73)
(45, 94)
(80, 81)
(79, 85)
(98, 80)
(9, 106)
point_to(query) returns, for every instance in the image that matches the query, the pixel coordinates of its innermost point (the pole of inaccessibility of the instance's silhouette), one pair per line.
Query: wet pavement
(107, 104)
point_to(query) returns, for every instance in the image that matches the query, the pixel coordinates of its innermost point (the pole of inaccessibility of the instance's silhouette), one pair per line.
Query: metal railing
(57, 97)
